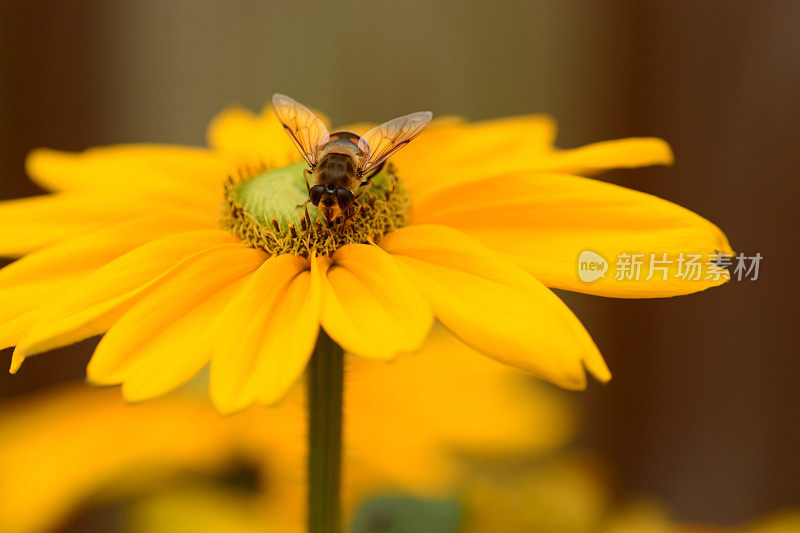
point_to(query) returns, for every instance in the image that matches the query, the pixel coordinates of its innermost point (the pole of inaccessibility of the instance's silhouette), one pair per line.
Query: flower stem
(325, 395)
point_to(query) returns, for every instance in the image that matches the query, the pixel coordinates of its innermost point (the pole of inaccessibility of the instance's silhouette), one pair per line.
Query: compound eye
(315, 194)
(345, 198)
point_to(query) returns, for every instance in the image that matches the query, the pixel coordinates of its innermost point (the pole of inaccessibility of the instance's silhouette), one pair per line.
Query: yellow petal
(620, 153)
(454, 401)
(23, 305)
(448, 141)
(152, 376)
(126, 167)
(495, 307)
(91, 250)
(251, 139)
(468, 154)
(164, 339)
(457, 153)
(31, 282)
(369, 306)
(500, 411)
(93, 305)
(289, 338)
(28, 224)
(62, 448)
(544, 222)
(266, 334)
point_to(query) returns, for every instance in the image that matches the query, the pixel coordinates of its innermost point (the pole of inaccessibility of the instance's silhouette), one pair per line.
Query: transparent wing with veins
(382, 141)
(305, 129)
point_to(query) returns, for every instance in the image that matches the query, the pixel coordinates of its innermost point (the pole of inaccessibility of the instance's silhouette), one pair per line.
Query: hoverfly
(342, 164)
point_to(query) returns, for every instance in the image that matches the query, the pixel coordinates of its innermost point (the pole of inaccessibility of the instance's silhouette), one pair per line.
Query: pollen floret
(264, 208)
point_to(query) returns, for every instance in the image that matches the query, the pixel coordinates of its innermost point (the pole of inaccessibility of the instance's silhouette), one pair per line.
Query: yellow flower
(129, 244)
(575, 505)
(200, 509)
(567, 493)
(76, 445)
(646, 516)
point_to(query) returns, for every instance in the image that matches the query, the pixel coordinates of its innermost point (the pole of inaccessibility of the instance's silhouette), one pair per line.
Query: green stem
(325, 395)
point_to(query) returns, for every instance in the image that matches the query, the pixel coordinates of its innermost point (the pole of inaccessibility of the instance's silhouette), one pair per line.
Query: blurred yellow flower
(216, 510)
(129, 244)
(568, 493)
(77, 444)
(651, 517)
(502, 462)
(59, 448)
(200, 509)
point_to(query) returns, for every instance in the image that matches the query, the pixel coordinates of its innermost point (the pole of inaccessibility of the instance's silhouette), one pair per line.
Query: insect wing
(306, 130)
(382, 141)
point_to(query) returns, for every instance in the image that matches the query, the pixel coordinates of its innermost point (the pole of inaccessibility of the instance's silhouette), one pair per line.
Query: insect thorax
(336, 170)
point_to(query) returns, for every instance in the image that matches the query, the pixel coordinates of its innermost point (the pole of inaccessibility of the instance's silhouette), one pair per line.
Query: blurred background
(703, 409)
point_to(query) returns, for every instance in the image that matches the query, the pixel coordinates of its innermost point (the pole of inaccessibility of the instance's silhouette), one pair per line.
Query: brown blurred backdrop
(704, 408)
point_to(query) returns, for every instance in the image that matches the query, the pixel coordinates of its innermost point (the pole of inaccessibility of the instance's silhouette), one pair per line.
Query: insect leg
(306, 173)
(366, 184)
(304, 205)
(368, 179)
(357, 208)
(348, 218)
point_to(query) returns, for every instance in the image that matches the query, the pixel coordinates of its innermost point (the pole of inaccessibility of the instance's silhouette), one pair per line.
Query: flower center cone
(265, 210)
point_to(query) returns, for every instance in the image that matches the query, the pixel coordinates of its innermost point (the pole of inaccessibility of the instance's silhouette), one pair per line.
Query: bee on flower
(470, 225)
